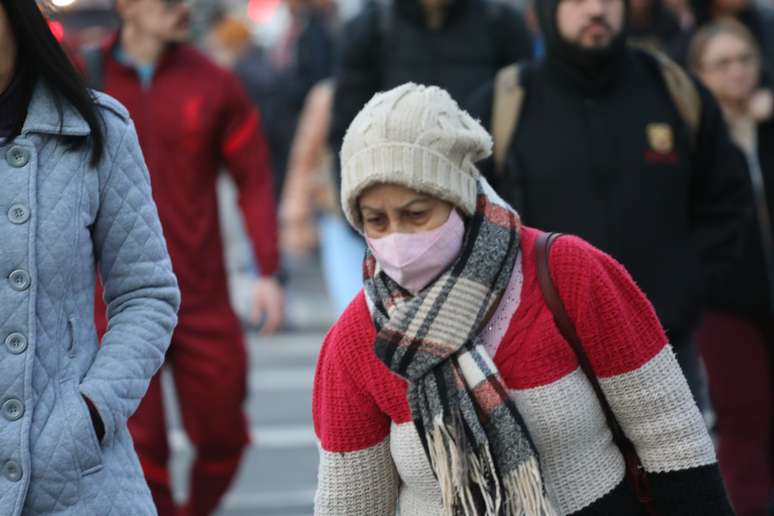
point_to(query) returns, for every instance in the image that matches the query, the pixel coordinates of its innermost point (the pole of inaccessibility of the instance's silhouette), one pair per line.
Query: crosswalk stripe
(269, 500)
(266, 437)
(276, 379)
(283, 346)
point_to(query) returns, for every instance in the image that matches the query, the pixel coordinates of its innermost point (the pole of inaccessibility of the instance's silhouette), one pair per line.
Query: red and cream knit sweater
(371, 459)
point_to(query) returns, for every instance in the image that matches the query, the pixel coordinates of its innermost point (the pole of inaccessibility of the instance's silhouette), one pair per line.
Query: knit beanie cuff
(413, 166)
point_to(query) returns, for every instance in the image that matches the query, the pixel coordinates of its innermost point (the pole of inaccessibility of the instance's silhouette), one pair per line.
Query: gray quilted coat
(61, 221)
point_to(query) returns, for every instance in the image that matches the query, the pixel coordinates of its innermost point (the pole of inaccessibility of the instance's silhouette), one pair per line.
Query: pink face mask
(413, 260)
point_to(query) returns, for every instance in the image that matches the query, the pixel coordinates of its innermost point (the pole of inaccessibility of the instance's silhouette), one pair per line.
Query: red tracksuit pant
(208, 363)
(739, 357)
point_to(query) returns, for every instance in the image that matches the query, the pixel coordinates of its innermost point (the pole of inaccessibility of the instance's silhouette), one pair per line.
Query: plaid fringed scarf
(472, 433)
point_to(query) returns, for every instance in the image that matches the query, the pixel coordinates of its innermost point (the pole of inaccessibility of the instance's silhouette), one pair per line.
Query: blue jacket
(61, 222)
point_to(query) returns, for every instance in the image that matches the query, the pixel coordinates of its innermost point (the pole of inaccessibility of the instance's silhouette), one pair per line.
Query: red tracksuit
(194, 119)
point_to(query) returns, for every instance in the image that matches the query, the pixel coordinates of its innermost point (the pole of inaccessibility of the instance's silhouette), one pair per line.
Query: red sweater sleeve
(246, 155)
(346, 416)
(615, 321)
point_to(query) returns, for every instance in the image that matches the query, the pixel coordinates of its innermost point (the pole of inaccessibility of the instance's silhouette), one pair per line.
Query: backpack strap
(95, 73)
(682, 89)
(506, 108)
(635, 472)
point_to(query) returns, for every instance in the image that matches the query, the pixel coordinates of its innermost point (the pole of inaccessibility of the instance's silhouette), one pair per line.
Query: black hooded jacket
(601, 151)
(384, 47)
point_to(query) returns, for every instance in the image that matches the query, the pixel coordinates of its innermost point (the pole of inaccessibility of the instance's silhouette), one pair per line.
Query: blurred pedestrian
(229, 41)
(193, 119)
(231, 45)
(301, 58)
(76, 199)
(621, 147)
(446, 387)
(309, 211)
(455, 44)
(737, 336)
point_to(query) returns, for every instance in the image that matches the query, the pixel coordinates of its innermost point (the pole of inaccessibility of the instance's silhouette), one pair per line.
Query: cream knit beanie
(415, 136)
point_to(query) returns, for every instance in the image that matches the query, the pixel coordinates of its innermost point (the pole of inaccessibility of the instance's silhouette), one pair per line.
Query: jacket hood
(546, 13)
(593, 64)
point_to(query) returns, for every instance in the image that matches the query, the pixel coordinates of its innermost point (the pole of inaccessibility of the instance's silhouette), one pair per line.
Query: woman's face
(7, 46)
(730, 68)
(386, 209)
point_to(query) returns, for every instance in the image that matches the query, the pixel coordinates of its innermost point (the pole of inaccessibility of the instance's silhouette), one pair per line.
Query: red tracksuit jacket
(193, 120)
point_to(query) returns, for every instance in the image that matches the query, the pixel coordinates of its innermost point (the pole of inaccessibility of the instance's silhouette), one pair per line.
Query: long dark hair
(41, 57)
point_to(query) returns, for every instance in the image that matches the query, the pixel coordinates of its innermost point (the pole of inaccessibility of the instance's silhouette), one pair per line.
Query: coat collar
(43, 115)
(170, 56)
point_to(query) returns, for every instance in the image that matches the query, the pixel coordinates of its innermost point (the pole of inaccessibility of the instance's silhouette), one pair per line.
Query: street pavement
(279, 472)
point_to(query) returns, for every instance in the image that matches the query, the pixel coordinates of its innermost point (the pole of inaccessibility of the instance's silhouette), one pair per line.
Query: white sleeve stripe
(658, 413)
(357, 483)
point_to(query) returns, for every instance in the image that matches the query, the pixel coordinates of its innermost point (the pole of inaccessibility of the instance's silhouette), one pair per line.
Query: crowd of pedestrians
(546, 230)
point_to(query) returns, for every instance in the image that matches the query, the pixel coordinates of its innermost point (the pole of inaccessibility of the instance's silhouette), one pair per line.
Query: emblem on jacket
(661, 138)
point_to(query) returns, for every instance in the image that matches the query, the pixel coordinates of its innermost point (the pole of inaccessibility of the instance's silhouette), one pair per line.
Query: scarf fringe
(463, 475)
(524, 491)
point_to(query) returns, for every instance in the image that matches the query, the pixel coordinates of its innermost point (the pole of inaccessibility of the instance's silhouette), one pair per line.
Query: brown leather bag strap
(567, 327)
(634, 471)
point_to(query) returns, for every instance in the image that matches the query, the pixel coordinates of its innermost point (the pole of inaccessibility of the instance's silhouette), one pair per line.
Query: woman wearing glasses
(737, 338)
(75, 200)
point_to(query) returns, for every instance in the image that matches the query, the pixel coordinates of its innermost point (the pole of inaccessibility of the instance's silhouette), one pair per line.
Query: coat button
(16, 343)
(12, 471)
(13, 409)
(20, 280)
(19, 214)
(17, 157)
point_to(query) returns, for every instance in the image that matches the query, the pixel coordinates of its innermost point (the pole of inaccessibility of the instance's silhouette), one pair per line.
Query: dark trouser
(208, 362)
(739, 357)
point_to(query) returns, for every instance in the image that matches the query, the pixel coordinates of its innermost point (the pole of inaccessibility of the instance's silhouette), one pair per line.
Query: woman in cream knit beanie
(445, 389)
(415, 136)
